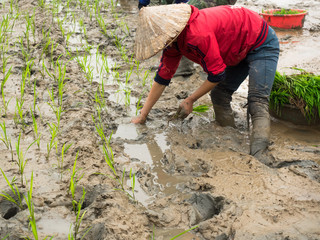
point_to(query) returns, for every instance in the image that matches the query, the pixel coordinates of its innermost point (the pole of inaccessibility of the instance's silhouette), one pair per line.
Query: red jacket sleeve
(168, 65)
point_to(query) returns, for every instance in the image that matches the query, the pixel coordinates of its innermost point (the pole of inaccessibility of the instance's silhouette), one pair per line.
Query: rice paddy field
(74, 167)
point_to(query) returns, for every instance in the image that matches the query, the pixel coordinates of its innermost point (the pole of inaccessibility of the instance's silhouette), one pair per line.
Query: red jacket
(214, 38)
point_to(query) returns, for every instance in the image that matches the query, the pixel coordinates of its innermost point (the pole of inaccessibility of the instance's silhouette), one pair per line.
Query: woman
(230, 43)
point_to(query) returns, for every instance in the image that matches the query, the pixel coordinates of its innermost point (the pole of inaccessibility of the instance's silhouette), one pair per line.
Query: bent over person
(229, 43)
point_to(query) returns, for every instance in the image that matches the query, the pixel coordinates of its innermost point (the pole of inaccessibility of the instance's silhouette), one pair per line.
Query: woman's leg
(221, 95)
(262, 67)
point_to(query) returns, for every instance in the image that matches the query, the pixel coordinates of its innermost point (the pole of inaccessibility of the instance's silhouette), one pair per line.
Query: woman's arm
(153, 96)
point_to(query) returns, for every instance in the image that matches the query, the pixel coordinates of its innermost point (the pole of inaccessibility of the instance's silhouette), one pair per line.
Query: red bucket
(286, 21)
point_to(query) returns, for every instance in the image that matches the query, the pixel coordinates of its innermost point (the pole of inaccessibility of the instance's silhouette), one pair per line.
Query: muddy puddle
(66, 108)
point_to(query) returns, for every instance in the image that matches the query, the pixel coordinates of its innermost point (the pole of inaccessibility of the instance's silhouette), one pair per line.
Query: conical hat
(158, 26)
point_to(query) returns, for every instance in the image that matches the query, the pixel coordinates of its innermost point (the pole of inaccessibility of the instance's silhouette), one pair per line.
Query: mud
(188, 173)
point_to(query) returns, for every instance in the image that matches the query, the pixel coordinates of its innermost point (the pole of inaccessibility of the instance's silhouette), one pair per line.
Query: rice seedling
(4, 80)
(61, 78)
(29, 26)
(26, 74)
(60, 164)
(184, 232)
(132, 177)
(99, 97)
(84, 63)
(29, 201)
(36, 133)
(82, 25)
(138, 105)
(200, 109)
(68, 36)
(105, 63)
(41, 3)
(301, 90)
(25, 52)
(120, 179)
(99, 129)
(60, 24)
(103, 26)
(54, 129)
(5, 237)
(19, 113)
(17, 199)
(79, 217)
(11, 8)
(21, 161)
(35, 95)
(5, 138)
(74, 179)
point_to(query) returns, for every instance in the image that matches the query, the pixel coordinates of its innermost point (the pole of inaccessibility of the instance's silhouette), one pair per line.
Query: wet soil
(187, 173)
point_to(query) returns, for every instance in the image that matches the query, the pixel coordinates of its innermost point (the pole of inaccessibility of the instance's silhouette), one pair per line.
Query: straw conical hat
(158, 26)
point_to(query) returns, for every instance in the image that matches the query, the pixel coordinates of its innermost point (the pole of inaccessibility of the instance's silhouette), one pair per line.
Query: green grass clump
(301, 90)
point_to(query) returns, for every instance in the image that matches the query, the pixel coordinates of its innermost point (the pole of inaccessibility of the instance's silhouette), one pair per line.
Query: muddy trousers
(260, 65)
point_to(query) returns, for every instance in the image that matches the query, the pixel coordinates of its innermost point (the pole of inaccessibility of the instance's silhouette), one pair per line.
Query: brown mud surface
(187, 173)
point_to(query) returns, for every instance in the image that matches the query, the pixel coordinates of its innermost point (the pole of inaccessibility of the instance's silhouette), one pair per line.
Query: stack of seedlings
(298, 91)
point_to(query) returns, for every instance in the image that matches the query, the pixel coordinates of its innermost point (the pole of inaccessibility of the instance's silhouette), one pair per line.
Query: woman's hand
(139, 119)
(185, 107)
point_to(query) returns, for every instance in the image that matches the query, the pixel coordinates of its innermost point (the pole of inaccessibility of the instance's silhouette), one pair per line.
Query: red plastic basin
(286, 21)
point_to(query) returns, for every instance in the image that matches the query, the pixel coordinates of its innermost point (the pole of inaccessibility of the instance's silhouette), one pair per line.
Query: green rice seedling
(5, 237)
(74, 179)
(200, 109)
(84, 63)
(184, 232)
(25, 52)
(133, 182)
(54, 129)
(68, 36)
(4, 80)
(138, 105)
(145, 77)
(27, 72)
(52, 102)
(82, 25)
(41, 3)
(53, 48)
(19, 113)
(104, 27)
(301, 90)
(105, 63)
(61, 79)
(4, 136)
(29, 26)
(29, 201)
(99, 128)
(36, 133)
(79, 218)
(21, 161)
(15, 191)
(6, 139)
(35, 95)
(120, 179)
(60, 24)
(64, 149)
(11, 7)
